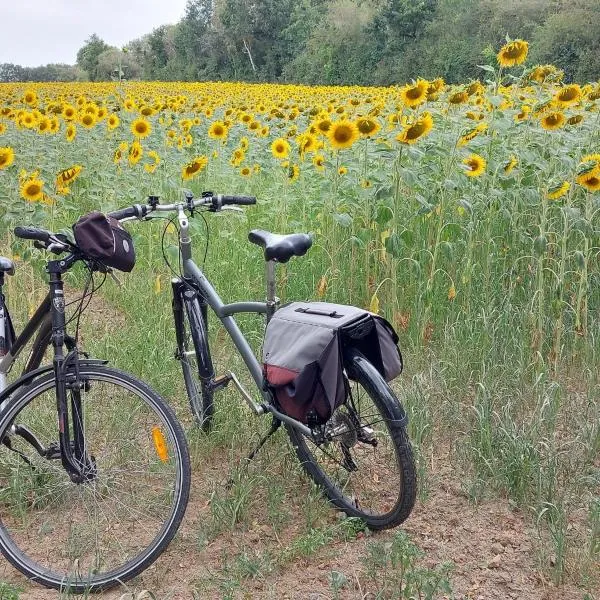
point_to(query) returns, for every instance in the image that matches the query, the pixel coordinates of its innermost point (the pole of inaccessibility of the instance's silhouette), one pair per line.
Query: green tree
(87, 55)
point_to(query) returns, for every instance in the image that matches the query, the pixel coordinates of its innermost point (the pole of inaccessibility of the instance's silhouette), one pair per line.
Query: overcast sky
(38, 32)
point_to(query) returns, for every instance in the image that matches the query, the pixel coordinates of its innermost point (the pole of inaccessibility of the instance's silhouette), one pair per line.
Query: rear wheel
(366, 466)
(107, 529)
(194, 354)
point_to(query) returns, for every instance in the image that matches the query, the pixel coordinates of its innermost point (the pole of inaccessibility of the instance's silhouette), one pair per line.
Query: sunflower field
(468, 215)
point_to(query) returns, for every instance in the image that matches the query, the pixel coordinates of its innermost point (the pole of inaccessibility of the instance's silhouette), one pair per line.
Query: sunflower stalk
(581, 306)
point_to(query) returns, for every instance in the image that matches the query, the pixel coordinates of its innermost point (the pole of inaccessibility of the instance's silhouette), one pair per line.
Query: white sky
(38, 32)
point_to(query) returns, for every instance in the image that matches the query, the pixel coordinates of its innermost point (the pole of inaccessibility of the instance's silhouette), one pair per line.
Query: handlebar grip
(242, 200)
(32, 233)
(136, 210)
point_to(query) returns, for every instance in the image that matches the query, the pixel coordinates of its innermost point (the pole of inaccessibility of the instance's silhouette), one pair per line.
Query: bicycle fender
(29, 377)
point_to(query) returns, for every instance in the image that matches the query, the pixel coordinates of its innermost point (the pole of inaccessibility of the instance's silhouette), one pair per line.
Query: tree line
(364, 42)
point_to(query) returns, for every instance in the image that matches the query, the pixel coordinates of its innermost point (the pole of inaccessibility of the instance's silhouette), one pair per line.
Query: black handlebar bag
(303, 355)
(104, 239)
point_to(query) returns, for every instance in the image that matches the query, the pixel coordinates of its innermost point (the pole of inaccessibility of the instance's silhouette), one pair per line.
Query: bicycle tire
(193, 350)
(111, 528)
(376, 498)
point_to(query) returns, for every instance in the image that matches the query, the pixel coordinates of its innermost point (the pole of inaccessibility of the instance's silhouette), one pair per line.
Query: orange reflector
(160, 444)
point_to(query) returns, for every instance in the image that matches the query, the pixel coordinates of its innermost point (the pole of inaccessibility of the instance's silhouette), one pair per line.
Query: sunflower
(415, 94)
(67, 176)
(44, 125)
(293, 173)
(308, 143)
(556, 192)
(590, 179)
(568, 95)
(434, 88)
(237, 158)
(71, 132)
(342, 134)
(472, 134)
(69, 112)
(244, 143)
(510, 165)
(155, 158)
(113, 121)
(33, 189)
(7, 156)
(418, 129)
(552, 121)
(575, 120)
(88, 120)
(323, 125)
(318, 160)
(246, 172)
(30, 97)
(194, 167)
(342, 170)
(280, 148)
(513, 53)
(368, 126)
(218, 130)
(141, 128)
(135, 153)
(2, 128)
(459, 97)
(474, 165)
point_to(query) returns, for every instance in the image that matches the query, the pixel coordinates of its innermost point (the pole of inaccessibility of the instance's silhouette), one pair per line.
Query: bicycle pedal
(218, 383)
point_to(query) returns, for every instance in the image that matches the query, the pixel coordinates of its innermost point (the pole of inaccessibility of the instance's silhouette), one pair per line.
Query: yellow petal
(322, 286)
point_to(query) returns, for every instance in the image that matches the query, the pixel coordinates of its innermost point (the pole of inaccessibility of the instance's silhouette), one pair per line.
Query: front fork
(78, 464)
(183, 292)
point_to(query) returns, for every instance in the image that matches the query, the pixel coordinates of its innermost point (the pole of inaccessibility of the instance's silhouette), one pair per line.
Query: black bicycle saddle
(7, 266)
(280, 247)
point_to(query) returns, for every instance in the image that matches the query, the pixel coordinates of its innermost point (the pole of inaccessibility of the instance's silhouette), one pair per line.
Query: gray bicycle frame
(225, 313)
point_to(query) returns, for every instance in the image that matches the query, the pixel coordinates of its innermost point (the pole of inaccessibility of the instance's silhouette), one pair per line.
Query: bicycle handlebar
(214, 202)
(33, 233)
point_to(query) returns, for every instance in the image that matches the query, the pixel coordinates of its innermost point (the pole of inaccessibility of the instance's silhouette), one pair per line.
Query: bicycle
(352, 442)
(94, 467)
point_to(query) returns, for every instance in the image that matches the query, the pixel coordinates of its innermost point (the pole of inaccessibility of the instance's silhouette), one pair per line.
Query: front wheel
(90, 535)
(366, 468)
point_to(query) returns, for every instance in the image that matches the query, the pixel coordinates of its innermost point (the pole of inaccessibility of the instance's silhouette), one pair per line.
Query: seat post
(272, 299)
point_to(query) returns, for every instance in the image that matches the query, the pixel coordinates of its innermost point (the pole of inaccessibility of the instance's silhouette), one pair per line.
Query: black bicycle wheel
(193, 352)
(367, 468)
(96, 534)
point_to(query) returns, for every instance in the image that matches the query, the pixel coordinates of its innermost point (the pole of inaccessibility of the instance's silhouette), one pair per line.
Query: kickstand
(275, 425)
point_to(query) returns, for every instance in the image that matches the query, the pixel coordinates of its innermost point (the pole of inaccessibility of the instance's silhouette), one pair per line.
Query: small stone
(497, 548)
(495, 562)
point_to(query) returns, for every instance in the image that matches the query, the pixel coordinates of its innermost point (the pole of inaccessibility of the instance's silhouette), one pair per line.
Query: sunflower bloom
(342, 134)
(472, 134)
(194, 167)
(552, 121)
(113, 122)
(246, 172)
(414, 95)
(71, 132)
(474, 165)
(88, 120)
(66, 177)
(218, 131)
(513, 53)
(319, 162)
(7, 156)
(33, 190)
(568, 95)
(510, 165)
(590, 180)
(155, 158)
(135, 153)
(418, 129)
(141, 128)
(280, 148)
(368, 126)
(558, 191)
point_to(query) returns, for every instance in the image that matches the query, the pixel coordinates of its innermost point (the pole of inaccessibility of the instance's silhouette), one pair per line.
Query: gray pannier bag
(303, 355)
